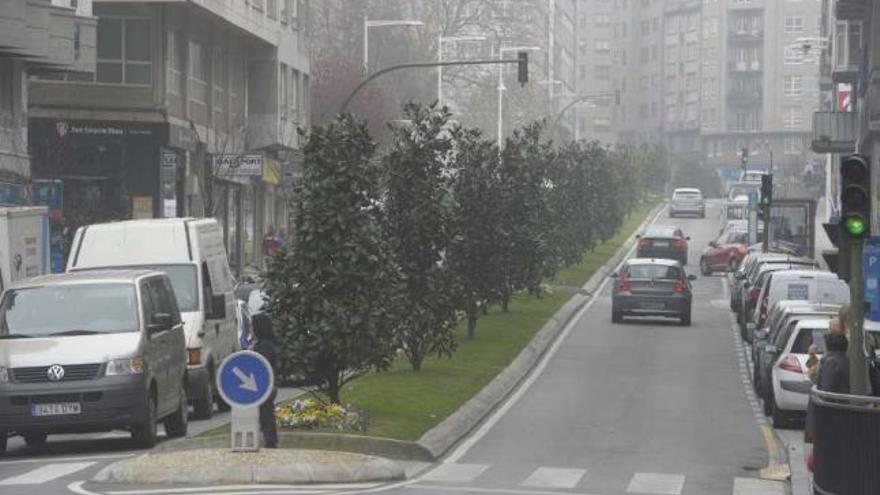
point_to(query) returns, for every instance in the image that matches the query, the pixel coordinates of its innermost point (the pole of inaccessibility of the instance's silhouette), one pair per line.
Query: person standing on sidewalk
(265, 346)
(834, 368)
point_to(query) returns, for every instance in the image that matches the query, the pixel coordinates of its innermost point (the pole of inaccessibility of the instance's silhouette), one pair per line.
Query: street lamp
(501, 87)
(376, 23)
(451, 39)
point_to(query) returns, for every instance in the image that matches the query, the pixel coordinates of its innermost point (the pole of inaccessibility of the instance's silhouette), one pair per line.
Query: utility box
(24, 243)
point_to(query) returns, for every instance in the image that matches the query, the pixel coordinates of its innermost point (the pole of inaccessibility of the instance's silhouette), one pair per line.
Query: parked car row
(782, 304)
(131, 335)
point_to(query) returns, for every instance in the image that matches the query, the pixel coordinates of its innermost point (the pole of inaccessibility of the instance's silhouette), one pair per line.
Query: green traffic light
(855, 226)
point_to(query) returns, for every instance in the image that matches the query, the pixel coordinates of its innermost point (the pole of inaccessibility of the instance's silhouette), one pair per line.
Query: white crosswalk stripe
(46, 473)
(547, 477)
(754, 486)
(656, 483)
(453, 472)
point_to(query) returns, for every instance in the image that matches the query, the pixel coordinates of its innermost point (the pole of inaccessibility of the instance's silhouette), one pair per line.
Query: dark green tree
(418, 223)
(333, 289)
(475, 252)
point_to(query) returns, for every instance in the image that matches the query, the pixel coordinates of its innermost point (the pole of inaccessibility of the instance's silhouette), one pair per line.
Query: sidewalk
(801, 479)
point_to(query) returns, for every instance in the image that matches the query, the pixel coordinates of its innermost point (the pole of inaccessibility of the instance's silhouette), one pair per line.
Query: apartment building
(682, 91)
(595, 59)
(35, 35)
(191, 111)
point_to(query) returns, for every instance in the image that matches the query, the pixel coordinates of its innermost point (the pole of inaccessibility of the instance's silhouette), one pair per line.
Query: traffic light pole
(765, 245)
(858, 365)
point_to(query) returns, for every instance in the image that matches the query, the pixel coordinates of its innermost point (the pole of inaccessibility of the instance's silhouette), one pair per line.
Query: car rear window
(660, 231)
(653, 272)
(687, 194)
(807, 337)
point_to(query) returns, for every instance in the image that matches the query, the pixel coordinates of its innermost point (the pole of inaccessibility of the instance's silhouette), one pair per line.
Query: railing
(749, 96)
(846, 443)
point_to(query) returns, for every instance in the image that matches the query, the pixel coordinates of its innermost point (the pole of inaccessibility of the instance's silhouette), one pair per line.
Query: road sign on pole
(871, 268)
(245, 380)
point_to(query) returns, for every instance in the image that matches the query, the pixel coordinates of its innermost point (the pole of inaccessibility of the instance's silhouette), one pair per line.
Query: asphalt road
(644, 407)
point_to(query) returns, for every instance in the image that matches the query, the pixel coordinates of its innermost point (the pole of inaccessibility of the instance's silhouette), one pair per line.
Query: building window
(792, 55)
(792, 118)
(793, 85)
(603, 72)
(219, 81)
(7, 85)
(643, 111)
(793, 146)
(198, 72)
(176, 68)
(602, 19)
(643, 82)
(272, 8)
(655, 24)
(655, 52)
(124, 51)
(645, 53)
(794, 24)
(602, 45)
(646, 27)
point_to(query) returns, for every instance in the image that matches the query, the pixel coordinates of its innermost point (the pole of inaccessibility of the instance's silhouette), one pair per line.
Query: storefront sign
(235, 165)
(141, 207)
(102, 130)
(272, 172)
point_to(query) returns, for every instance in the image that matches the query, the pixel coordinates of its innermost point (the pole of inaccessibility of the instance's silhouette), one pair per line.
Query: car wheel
(768, 399)
(203, 407)
(756, 384)
(3, 436)
(781, 419)
(616, 317)
(686, 318)
(35, 439)
(177, 424)
(145, 434)
(705, 269)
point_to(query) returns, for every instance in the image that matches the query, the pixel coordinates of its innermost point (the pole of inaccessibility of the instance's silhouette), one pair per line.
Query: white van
(800, 285)
(191, 252)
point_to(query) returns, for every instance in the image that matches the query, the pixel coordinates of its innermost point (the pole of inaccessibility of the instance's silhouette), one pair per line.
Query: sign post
(245, 380)
(753, 218)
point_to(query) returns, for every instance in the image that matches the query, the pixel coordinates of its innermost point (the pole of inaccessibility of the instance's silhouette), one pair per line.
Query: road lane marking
(46, 473)
(754, 486)
(322, 488)
(656, 484)
(44, 460)
(452, 472)
(548, 477)
(489, 490)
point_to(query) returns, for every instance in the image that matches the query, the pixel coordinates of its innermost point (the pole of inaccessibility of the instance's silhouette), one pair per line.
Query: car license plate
(652, 305)
(661, 243)
(56, 409)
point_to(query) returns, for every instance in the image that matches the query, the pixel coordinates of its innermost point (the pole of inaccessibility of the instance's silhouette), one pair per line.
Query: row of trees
(388, 252)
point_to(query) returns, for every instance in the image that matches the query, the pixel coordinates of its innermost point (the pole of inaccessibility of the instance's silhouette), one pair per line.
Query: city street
(645, 407)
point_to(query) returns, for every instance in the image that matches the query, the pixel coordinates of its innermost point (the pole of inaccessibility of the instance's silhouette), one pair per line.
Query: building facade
(595, 57)
(192, 111)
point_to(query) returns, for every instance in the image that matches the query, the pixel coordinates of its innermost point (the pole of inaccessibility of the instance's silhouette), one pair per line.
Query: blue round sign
(245, 379)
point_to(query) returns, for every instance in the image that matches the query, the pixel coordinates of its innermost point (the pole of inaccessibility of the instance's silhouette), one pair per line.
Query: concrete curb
(267, 466)
(358, 444)
(440, 439)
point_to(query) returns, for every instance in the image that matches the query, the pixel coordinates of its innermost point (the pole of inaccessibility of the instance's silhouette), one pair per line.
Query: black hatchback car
(663, 241)
(652, 287)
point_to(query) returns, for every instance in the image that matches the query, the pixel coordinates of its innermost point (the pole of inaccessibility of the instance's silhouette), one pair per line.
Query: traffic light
(744, 157)
(855, 196)
(837, 259)
(522, 74)
(766, 189)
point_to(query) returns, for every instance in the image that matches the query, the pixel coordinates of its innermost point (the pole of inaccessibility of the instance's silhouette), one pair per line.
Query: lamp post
(501, 87)
(451, 39)
(380, 23)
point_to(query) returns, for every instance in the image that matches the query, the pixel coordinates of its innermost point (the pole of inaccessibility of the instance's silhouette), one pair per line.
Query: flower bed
(310, 414)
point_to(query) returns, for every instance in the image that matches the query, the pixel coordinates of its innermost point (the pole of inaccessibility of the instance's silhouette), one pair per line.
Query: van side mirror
(692, 277)
(217, 311)
(161, 323)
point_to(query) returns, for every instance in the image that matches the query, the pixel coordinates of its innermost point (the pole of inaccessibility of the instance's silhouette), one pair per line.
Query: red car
(725, 253)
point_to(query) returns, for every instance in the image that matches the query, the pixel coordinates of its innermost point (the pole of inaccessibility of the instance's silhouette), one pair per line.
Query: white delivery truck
(24, 243)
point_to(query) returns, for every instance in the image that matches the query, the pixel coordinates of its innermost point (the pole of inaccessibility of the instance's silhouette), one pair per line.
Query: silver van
(92, 351)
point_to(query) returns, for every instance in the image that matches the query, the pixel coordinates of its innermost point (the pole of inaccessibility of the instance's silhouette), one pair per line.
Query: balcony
(834, 132)
(741, 5)
(744, 66)
(745, 97)
(48, 33)
(746, 36)
(851, 10)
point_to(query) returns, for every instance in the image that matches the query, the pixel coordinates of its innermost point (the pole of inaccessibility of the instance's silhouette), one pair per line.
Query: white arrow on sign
(248, 382)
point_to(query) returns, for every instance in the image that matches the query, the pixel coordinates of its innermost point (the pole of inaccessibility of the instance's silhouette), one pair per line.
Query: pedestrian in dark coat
(834, 368)
(265, 346)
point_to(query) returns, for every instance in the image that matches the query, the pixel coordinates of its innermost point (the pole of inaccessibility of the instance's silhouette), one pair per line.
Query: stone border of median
(436, 442)
(440, 439)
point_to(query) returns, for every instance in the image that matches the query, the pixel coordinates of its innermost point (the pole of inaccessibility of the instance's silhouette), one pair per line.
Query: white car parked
(790, 378)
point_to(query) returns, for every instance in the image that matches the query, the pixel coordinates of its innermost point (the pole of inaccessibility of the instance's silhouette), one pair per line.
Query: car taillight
(754, 292)
(679, 286)
(644, 243)
(623, 284)
(763, 309)
(791, 363)
(680, 244)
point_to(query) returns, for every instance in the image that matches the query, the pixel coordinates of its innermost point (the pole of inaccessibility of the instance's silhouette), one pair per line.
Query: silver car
(687, 201)
(92, 351)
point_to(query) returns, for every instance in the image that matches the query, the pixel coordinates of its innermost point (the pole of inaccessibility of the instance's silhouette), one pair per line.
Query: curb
(357, 444)
(266, 466)
(440, 439)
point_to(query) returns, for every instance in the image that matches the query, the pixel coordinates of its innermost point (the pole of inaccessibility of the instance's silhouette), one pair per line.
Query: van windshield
(184, 282)
(79, 309)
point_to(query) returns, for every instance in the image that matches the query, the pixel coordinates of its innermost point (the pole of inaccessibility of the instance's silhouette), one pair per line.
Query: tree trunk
(505, 301)
(333, 388)
(472, 326)
(485, 308)
(415, 359)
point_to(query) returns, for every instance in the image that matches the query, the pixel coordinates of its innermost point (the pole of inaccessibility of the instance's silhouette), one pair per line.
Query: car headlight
(4, 374)
(127, 366)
